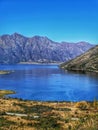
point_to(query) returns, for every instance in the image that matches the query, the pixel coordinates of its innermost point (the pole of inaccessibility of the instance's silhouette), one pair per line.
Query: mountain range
(87, 62)
(17, 48)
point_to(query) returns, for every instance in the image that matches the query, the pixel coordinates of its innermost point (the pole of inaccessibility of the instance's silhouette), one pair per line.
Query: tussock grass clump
(83, 105)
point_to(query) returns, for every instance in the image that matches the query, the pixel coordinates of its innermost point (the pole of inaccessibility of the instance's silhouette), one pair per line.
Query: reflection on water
(48, 82)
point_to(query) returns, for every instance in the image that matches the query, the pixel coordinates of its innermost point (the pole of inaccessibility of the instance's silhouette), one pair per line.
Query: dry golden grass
(67, 115)
(48, 115)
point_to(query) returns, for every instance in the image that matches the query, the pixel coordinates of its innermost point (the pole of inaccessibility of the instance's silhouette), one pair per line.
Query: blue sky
(60, 20)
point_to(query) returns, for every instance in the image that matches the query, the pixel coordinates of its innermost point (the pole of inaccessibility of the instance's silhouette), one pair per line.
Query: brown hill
(87, 62)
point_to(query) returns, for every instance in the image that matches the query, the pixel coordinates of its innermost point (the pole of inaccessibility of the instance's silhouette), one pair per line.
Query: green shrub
(5, 123)
(48, 123)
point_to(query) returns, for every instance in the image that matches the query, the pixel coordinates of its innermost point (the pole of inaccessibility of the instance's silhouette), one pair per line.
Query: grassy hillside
(88, 62)
(16, 114)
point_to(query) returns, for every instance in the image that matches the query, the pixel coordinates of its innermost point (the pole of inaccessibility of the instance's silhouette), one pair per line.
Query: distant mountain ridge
(17, 48)
(87, 62)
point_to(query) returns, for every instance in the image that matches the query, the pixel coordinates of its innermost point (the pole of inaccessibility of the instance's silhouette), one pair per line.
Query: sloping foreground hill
(17, 48)
(87, 62)
(17, 114)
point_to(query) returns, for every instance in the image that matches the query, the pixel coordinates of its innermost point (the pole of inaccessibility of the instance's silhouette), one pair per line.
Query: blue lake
(49, 83)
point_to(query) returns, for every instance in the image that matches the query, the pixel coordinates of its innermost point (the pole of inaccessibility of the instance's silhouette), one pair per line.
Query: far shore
(40, 63)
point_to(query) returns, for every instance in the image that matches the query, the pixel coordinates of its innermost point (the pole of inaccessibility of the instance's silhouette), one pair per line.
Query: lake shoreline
(5, 94)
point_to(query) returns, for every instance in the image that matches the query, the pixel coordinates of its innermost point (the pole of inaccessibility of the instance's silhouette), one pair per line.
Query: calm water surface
(48, 83)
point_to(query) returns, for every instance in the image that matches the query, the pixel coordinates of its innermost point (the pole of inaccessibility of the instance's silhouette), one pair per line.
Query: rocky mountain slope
(87, 62)
(17, 48)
